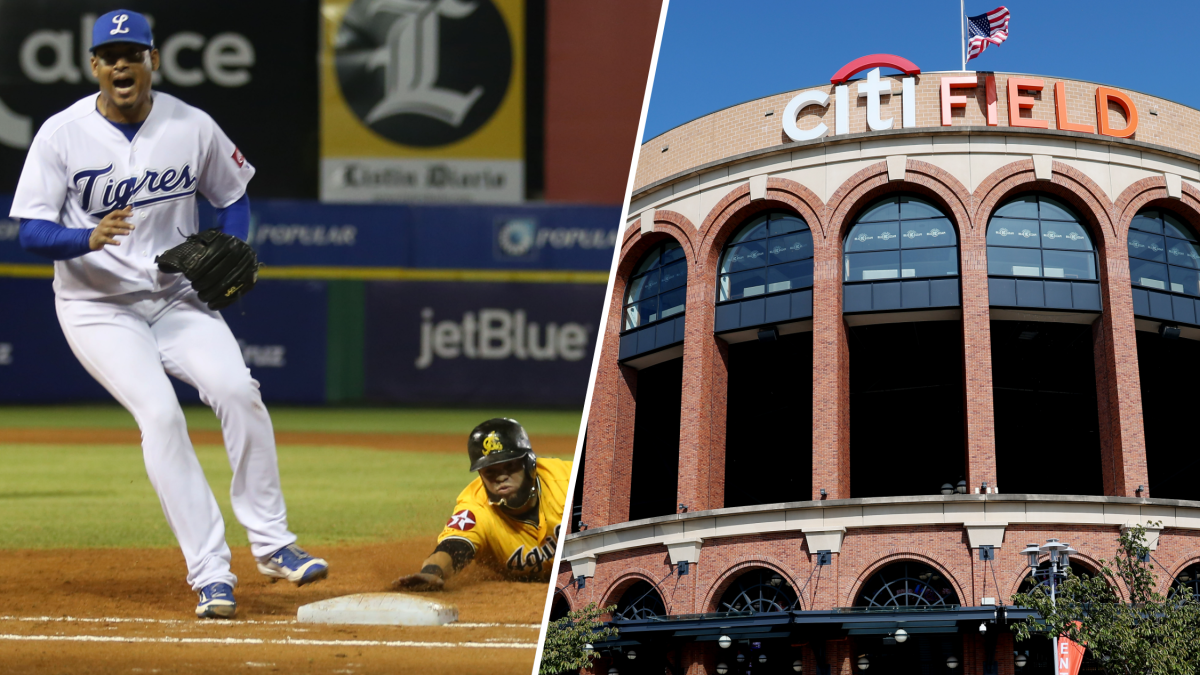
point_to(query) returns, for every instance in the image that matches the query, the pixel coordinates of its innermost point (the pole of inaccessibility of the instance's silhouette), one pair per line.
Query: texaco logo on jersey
(423, 72)
(463, 520)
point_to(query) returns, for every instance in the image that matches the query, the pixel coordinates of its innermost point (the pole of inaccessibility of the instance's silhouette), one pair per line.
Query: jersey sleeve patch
(239, 158)
(463, 520)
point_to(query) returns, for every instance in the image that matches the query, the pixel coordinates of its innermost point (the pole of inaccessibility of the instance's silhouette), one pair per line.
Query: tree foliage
(566, 637)
(1146, 634)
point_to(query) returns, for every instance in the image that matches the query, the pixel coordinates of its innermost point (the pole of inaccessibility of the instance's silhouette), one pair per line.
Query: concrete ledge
(993, 511)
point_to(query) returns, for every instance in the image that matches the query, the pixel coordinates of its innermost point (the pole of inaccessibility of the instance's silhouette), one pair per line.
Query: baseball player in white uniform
(110, 183)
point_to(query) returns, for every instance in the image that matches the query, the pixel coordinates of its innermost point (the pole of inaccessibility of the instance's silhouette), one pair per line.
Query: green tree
(566, 638)
(1148, 634)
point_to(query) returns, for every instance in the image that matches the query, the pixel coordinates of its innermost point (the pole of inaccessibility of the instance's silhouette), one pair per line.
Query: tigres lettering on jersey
(520, 549)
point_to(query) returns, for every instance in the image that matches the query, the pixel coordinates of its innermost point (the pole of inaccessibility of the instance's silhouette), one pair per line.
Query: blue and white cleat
(216, 602)
(293, 564)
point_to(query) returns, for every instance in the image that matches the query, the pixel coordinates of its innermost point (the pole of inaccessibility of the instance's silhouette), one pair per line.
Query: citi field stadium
(866, 342)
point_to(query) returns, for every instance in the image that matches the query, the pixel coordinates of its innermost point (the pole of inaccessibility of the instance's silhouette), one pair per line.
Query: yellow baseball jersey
(520, 549)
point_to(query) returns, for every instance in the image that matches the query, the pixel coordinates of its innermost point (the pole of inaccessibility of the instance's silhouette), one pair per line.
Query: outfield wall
(406, 304)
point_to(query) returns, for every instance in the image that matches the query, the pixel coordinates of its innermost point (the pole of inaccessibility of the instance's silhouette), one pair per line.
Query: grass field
(98, 496)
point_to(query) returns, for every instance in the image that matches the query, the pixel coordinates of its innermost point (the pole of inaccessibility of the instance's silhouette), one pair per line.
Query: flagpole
(962, 32)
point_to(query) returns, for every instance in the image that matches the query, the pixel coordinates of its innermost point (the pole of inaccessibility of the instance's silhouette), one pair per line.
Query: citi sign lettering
(874, 87)
(117, 194)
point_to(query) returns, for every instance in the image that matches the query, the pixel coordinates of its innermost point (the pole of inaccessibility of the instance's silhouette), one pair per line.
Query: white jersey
(80, 167)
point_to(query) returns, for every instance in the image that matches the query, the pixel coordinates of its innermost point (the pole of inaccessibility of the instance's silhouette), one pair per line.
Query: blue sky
(716, 54)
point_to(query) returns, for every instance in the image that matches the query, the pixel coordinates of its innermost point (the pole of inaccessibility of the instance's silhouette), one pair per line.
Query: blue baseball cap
(122, 25)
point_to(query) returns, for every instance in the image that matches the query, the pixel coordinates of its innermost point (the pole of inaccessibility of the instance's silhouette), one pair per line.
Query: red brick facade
(864, 549)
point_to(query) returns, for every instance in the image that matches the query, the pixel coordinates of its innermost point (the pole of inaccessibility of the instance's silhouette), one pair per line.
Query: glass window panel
(642, 287)
(929, 262)
(789, 247)
(671, 302)
(1185, 280)
(873, 237)
(1068, 265)
(674, 275)
(672, 253)
(648, 310)
(868, 266)
(631, 317)
(913, 208)
(744, 284)
(1149, 274)
(1021, 207)
(1183, 253)
(650, 262)
(1148, 246)
(926, 233)
(744, 256)
(790, 276)
(1071, 236)
(1176, 228)
(885, 210)
(1014, 262)
(1013, 232)
(756, 229)
(1147, 221)
(1052, 209)
(784, 224)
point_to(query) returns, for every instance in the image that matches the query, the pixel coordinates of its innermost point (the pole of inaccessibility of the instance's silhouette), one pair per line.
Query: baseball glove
(221, 267)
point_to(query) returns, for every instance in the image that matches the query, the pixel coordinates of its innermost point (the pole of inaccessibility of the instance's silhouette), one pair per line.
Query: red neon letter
(1016, 102)
(874, 61)
(992, 115)
(1060, 111)
(1103, 96)
(949, 101)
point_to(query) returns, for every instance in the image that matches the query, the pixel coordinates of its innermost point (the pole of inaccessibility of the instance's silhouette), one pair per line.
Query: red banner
(1069, 656)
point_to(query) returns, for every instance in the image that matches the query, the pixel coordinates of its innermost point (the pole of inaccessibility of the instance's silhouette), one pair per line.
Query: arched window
(759, 590)
(1043, 581)
(902, 253)
(1041, 255)
(1164, 255)
(640, 601)
(652, 316)
(559, 608)
(765, 274)
(1188, 578)
(907, 584)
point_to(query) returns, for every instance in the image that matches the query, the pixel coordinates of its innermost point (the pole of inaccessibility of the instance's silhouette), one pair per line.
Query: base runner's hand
(112, 225)
(419, 582)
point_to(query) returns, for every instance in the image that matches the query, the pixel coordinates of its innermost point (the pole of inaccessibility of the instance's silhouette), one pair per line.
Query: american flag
(991, 27)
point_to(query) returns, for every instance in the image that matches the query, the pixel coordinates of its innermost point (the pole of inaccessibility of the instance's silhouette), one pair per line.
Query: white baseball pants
(130, 343)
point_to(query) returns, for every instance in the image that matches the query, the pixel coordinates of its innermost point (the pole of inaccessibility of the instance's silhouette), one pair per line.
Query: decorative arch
(1067, 184)
(1088, 562)
(920, 178)
(559, 605)
(856, 587)
(1151, 192)
(630, 576)
(737, 207)
(727, 578)
(1167, 583)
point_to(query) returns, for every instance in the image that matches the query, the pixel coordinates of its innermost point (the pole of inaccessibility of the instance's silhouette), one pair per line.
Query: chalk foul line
(237, 622)
(263, 641)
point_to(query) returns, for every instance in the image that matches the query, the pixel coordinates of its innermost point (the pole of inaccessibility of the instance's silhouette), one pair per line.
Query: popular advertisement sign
(280, 327)
(483, 343)
(220, 56)
(422, 100)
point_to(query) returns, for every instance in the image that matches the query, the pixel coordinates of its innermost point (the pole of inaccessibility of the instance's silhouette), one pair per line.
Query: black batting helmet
(499, 440)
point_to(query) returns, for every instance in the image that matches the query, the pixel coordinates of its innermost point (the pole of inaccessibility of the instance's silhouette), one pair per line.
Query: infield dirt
(130, 611)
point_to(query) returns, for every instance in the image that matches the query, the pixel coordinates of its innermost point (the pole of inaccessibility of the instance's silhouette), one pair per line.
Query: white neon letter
(909, 105)
(801, 101)
(841, 123)
(872, 88)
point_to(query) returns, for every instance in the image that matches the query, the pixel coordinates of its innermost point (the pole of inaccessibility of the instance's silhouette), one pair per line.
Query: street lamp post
(1060, 561)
